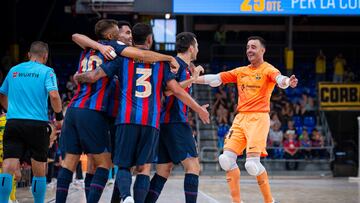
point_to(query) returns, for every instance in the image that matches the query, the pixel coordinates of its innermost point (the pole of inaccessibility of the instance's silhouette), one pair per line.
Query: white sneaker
(129, 199)
(274, 201)
(13, 201)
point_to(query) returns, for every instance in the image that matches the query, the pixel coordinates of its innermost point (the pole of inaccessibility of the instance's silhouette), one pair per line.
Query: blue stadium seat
(299, 130)
(297, 121)
(309, 121)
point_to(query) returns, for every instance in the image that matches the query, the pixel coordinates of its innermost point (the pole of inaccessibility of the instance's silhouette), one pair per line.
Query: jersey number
(88, 64)
(142, 81)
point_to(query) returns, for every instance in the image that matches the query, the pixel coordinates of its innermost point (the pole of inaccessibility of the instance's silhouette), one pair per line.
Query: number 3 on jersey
(142, 81)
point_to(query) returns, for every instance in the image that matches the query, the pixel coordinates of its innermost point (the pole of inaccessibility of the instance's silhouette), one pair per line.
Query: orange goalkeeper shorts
(249, 131)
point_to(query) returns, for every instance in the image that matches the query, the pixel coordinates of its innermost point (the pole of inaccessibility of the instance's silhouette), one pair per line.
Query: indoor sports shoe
(129, 199)
(274, 201)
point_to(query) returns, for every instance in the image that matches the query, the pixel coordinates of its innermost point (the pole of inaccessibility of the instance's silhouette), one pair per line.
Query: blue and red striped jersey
(94, 96)
(114, 99)
(140, 88)
(174, 110)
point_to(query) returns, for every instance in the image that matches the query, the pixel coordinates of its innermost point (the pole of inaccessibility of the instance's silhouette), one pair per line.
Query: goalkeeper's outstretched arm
(213, 80)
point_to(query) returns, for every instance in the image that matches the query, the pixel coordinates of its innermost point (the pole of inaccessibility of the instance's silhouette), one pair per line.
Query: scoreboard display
(267, 7)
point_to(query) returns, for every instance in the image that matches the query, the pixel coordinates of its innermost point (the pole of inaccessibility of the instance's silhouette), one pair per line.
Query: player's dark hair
(140, 32)
(39, 48)
(104, 25)
(184, 40)
(261, 40)
(124, 23)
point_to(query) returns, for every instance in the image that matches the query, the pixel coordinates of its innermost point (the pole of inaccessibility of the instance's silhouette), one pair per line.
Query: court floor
(213, 189)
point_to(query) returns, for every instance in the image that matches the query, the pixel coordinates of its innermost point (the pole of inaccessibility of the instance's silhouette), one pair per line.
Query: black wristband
(59, 116)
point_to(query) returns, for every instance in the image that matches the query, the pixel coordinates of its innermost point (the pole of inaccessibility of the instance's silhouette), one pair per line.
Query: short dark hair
(124, 23)
(262, 41)
(184, 40)
(104, 25)
(140, 32)
(39, 48)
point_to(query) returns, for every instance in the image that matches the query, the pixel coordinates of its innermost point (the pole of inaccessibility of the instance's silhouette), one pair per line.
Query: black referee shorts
(23, 135)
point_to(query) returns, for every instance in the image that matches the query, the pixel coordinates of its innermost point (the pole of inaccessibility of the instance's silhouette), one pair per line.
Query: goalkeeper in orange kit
(251, 125)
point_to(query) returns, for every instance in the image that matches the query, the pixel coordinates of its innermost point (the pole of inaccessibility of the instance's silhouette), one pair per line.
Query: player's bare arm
(131, 52)
(85, 42)
(90, 77)
(150, 57)
(181, 94)
(186, 83)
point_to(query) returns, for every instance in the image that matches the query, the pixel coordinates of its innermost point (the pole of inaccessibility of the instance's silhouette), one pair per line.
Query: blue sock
(5, 186)
(87, 181)
(110, 173)
(141, 188)
(124, 180)
(38, 189)
(98, 184)
(156, 185)
(191, 184)
(115, 198)
(63, 181)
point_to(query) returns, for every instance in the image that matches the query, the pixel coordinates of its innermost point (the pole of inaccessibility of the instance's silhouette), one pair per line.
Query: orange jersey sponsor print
(255, 85)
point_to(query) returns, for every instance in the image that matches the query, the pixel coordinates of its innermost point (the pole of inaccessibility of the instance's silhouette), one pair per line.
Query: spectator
(276, 138)
(291, 148)
(339, 67)
(222, 114)
(278, 99)
(274, 119)
(223, 129)
(320, 67)
(299, 109)
(317, 141)
(222, 92)
(70, 87)
(276, 135)
(220, 98)
(290, 128)
(287, 113)
(310, 107)
(305, 142)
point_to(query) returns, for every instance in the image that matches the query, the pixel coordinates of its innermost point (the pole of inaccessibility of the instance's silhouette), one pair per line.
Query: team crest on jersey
(242, 87)
(257, 76)
(15, 74)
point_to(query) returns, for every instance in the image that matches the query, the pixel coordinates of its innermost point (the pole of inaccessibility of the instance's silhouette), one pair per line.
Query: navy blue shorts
(176, 143)
(112, 131)
(136, 145)
(85, 131)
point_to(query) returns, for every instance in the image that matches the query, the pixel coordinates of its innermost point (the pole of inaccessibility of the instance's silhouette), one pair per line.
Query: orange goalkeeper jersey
(255, 85)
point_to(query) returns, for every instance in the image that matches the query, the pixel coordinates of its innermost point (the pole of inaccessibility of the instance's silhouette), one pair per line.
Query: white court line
(211, 200)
